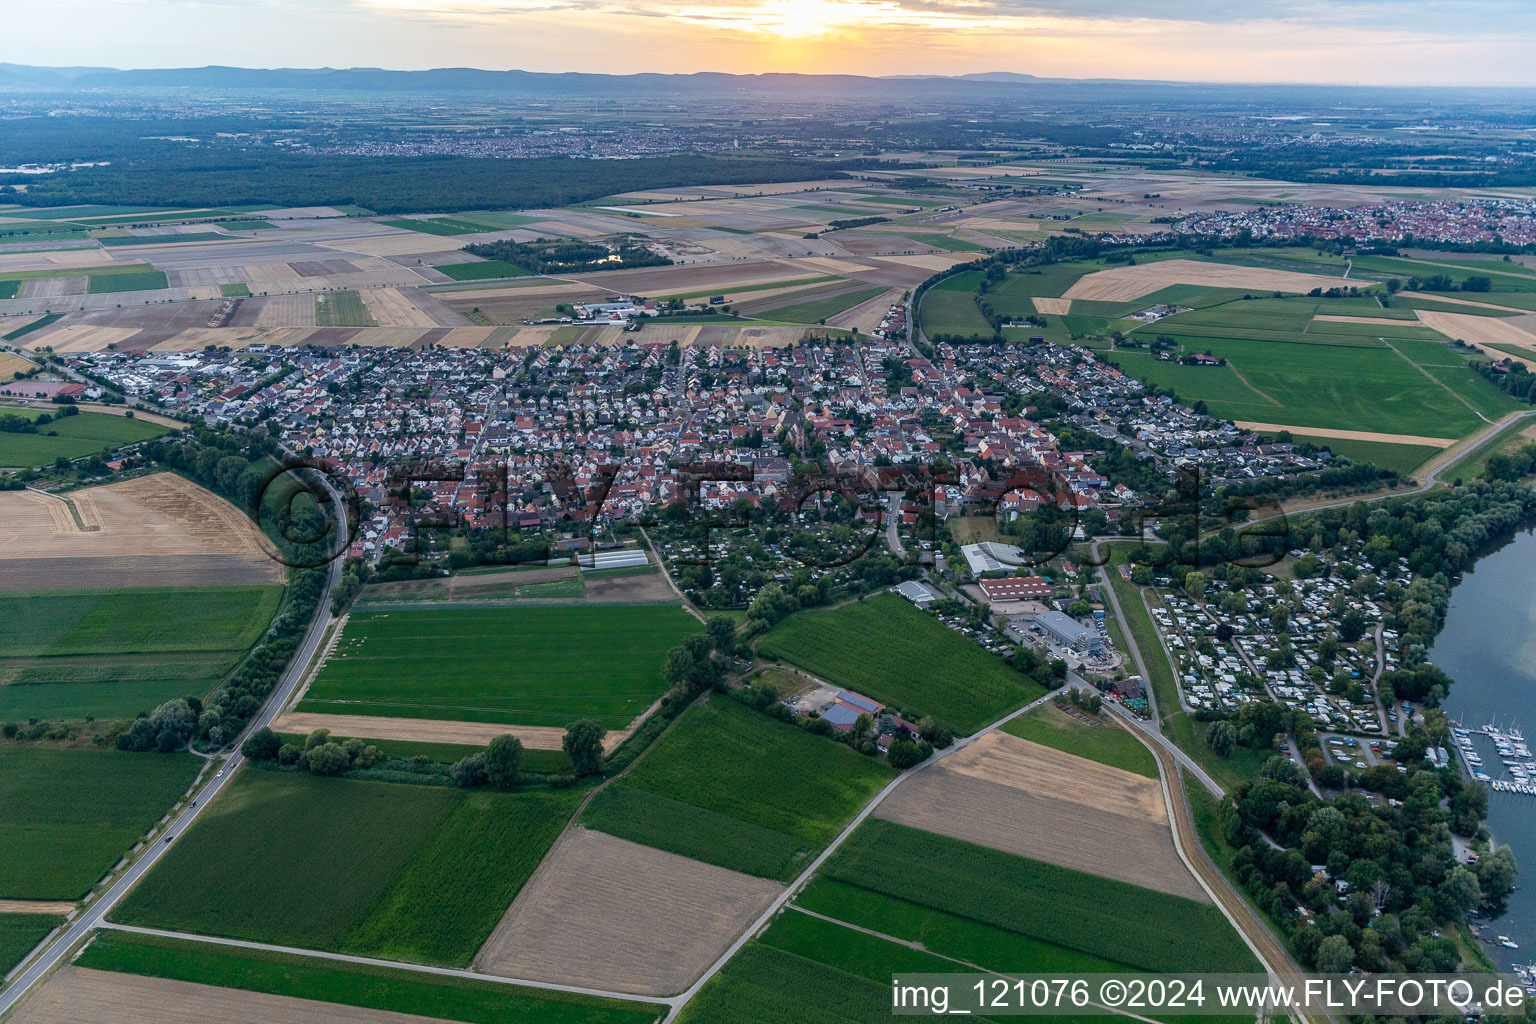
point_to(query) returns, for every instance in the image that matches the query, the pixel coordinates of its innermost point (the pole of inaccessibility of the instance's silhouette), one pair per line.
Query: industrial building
(1068, 632)
(992, 556)
(1020, 588)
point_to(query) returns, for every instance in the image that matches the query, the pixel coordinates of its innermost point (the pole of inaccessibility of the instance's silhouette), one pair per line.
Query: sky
(1432, 42)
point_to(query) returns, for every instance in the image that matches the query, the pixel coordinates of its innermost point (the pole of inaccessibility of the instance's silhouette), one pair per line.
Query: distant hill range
(994, 86)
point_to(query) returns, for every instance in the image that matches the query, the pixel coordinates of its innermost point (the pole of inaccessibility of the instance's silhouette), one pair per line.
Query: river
(1488, 647)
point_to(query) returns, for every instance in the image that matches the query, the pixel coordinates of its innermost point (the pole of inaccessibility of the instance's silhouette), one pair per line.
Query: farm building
(1068, 632)
(1020, 588)
(846, 708)
(621, 559)
(916, 592)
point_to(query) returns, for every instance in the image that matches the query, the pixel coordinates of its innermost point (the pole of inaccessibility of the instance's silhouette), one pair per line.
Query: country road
(95, 912)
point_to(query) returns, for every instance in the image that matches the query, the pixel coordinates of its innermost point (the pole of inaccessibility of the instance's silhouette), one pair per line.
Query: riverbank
(1488, 646)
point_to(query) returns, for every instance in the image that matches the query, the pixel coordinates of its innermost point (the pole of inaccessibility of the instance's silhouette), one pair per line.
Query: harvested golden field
(75, 994)
(1025, 798)
(12, 364)
(389, 308)
(693, 277)
(78, 337)
(36, 906)
(59, 258)
(420, 730)
(607, 913)
(158, 530)
(1057, 306)
(1354, 435)
(935, 261)
(1123, 284)
(1481, 330)
(766, 337)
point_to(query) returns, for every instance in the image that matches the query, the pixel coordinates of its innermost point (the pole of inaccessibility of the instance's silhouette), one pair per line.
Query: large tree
(583, 744)
(503, 759)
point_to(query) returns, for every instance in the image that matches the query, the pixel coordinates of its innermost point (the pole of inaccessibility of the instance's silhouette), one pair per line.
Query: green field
(482, 271)
(113, 653)
(887, 649)
(949, 307)
(731, 786)
(246, 225)
(523, 665)
(817, 309)
(764, 985)
(74, 437)
(148, 280)
(803, 970)
(71, 212)
(67, 815)
(441, 226)
(1088, 913)
(348, 984)
(1106, 742)
(341, 309)
(499, 220)
(946, 242)
(235, 291)
(945, 933)
(1336, 386)
(91, 272)
(8, 289)
(20, 933)
(401, 871)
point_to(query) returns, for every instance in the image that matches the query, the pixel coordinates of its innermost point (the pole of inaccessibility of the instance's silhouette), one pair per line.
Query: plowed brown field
(1029, 799)
(607, 913)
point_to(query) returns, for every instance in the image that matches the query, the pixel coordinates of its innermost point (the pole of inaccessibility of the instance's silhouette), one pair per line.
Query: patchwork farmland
(733, 787)
(410, 872)
(1018, 796)
(1376, 364)
(141, 979)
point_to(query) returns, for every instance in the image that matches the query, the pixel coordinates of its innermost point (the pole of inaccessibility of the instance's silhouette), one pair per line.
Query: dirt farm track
(158, 530)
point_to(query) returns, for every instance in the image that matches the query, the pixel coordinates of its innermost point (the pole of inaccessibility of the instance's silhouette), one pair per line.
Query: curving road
(94, 913)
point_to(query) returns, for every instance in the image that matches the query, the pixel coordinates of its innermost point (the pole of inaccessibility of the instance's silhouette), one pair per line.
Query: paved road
(1269, 949)
(94, 913)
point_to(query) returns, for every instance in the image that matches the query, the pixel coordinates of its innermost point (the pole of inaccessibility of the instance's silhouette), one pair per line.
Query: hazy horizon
(1352, 42)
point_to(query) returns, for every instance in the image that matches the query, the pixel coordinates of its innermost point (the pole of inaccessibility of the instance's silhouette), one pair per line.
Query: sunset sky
(1446, 42)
